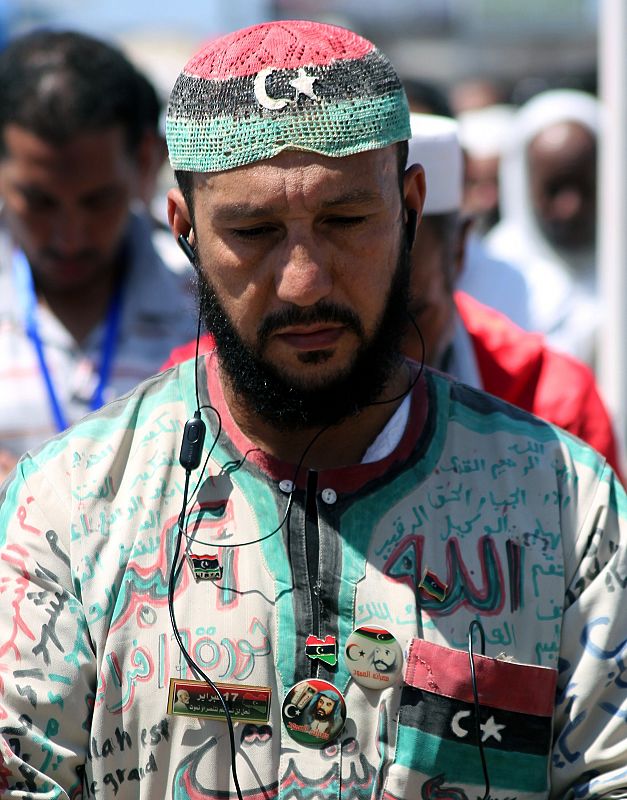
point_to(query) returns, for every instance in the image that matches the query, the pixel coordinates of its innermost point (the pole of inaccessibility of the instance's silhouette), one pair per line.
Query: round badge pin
(373, 657)
(314, 712)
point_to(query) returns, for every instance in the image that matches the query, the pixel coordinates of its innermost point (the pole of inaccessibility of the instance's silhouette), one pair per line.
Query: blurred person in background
(471, 341)
(155, 149)
(548, 184)
(497, 282)
(426, 97)
(493, 281)
(478, 91)
(151, 199)
(87, 307)
(483, 134)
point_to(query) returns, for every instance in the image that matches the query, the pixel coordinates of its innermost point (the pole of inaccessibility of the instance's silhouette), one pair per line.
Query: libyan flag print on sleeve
(437, 750)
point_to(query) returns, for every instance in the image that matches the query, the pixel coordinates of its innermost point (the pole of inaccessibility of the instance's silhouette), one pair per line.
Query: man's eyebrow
(234, 211)
(353, 197)
(246, 210)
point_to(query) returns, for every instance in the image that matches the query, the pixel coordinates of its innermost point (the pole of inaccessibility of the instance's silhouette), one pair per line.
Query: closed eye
(346, 221)
(37, 200)
(255, 232)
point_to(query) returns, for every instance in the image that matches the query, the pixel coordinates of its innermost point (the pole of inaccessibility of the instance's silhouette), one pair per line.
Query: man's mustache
(319, 313)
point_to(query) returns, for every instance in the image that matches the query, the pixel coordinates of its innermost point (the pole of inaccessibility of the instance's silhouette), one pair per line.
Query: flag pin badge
(433, 586)
(322, 649)
(205, 567)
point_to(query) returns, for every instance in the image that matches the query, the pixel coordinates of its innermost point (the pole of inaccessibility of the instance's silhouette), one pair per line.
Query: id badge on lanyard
(28, 300)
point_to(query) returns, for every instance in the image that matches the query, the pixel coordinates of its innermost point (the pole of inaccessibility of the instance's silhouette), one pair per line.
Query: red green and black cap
(285, 85)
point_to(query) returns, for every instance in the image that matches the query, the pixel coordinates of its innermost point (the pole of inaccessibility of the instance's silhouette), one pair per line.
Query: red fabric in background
(519, 367)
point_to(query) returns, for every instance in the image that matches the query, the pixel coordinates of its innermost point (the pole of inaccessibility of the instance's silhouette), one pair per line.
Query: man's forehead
(90, 164)
(567, 134)
(357, 178)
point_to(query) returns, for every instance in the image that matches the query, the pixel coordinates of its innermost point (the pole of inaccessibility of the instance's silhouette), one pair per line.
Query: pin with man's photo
(314, 712)
(373, 657)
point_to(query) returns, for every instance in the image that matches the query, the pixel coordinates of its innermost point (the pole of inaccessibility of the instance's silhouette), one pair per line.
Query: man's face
(384, 659)
(183, 696)
(67, 206)
(324, 707)
(300, 254)
(562, 183)
(481, 191)
(431, 304)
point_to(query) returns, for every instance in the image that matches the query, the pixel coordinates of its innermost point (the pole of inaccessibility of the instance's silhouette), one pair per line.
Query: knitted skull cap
(286, 85)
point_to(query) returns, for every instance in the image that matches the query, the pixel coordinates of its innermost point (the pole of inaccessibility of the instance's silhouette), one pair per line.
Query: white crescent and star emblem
(290, 711)
(456, 727)
(489, 728)
(303, 84)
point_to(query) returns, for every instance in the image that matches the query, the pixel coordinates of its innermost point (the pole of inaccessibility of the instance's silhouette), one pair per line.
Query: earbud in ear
(410, 227)
(186, 247)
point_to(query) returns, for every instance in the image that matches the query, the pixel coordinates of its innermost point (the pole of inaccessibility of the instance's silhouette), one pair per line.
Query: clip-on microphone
(193, 440)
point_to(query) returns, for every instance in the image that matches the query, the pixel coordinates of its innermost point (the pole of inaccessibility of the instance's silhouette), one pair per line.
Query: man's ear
(414, 190)
(178, 215)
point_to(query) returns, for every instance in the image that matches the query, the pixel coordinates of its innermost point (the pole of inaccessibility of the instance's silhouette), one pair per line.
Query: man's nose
(70, 232)
(568, 204)
(305, 275)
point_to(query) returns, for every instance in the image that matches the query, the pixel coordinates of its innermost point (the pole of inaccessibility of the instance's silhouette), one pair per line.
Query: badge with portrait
(314, 712)
(198, 699)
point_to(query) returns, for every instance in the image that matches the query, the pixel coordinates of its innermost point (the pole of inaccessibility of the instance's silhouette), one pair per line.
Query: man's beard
(282, 401)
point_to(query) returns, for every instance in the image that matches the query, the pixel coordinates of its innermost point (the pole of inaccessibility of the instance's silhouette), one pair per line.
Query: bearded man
(341, 493)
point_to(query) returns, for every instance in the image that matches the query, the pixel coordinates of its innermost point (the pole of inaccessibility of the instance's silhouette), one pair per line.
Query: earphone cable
(196, 670)
(196, 359)
(286, 514)
(475, 693)
(416, 378)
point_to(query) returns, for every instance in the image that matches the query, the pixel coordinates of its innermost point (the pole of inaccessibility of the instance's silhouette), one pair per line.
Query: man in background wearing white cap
(548, 215)
(470, 340)
(483, 133)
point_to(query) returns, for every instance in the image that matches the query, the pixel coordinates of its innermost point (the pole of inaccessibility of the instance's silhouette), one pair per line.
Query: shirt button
(286, 486)
(329, 496)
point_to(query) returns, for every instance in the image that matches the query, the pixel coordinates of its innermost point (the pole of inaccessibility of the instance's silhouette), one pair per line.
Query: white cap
(485, 132)
(435, 145)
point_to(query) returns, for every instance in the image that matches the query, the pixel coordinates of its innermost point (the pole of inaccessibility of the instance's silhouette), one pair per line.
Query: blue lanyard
(28, 297)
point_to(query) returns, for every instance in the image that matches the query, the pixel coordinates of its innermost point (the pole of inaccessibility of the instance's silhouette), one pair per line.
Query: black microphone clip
(193, 440)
